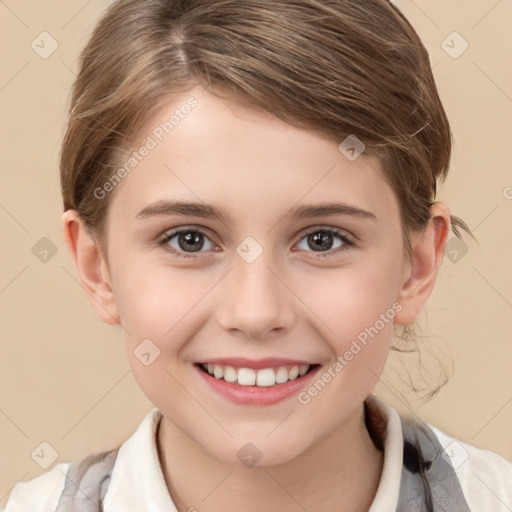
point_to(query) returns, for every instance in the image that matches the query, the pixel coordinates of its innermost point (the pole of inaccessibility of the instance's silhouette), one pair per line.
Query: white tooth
(303, 368)
(210, 368)
(266, 377)
(217, 371)
(230, 374)
(246, 377)
(281, 375)
(293, 373)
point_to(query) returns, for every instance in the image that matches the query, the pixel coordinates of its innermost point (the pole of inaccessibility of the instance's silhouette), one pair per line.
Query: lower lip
(256, 395)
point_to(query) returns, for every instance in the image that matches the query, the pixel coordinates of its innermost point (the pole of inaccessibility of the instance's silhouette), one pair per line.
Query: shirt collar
(388, 490)
(138, 482)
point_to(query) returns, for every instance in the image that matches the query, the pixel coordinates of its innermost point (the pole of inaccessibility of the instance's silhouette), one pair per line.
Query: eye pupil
(186, 241)
(321, 241)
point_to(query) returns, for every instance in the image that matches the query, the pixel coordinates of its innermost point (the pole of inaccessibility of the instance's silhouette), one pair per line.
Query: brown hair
(338, 67)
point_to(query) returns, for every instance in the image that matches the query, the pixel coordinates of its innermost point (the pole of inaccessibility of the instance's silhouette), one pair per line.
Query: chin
(257, 454)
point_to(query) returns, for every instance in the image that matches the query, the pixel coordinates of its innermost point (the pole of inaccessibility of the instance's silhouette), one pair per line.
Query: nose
(255, 301)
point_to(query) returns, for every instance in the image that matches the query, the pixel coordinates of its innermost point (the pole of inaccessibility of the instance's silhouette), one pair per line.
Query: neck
(343, 468)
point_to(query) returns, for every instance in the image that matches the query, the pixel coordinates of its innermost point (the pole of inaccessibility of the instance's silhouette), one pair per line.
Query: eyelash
(347, 241)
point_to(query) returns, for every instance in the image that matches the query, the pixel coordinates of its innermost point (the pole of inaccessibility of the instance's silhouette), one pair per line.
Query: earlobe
(427, 256)
(91, 267)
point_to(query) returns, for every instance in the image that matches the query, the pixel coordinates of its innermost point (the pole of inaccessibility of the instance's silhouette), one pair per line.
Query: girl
(249, 192)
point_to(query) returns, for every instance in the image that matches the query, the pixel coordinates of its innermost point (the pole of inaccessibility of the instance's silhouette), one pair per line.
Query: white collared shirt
(138, 484)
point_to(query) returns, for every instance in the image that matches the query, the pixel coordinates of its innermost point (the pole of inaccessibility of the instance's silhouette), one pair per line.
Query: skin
(289, 302)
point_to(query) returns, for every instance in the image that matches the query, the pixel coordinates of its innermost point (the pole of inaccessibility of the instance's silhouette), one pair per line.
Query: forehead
(202, 148)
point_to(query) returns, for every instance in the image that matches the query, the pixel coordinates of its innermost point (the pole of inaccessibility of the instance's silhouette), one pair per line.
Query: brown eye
(192, 241)
(185, 240)
(325, 240)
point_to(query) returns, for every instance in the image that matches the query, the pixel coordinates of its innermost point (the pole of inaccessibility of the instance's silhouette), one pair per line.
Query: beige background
(64, 375)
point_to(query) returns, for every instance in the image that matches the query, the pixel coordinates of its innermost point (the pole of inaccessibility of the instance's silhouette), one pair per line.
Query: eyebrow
(170, 208)
(329, 210)
(180, 208)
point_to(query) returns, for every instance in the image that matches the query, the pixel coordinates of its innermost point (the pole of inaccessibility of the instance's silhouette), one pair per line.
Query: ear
(421, 273)
(91, 267)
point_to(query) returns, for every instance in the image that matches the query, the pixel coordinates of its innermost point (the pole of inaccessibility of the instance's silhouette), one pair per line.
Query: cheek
(155, 300)
(161, 310)
(349, 301)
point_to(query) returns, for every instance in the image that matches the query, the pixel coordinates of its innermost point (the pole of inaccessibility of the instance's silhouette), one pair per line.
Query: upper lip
(268, 362)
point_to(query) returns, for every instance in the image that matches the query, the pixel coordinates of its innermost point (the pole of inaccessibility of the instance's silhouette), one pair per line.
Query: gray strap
(87, 482)
(429, 483)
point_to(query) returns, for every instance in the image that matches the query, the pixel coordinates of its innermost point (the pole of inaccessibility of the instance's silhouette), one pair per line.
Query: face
(290, 261)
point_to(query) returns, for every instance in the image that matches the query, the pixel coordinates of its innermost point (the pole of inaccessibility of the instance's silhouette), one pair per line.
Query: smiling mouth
(264, 377)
